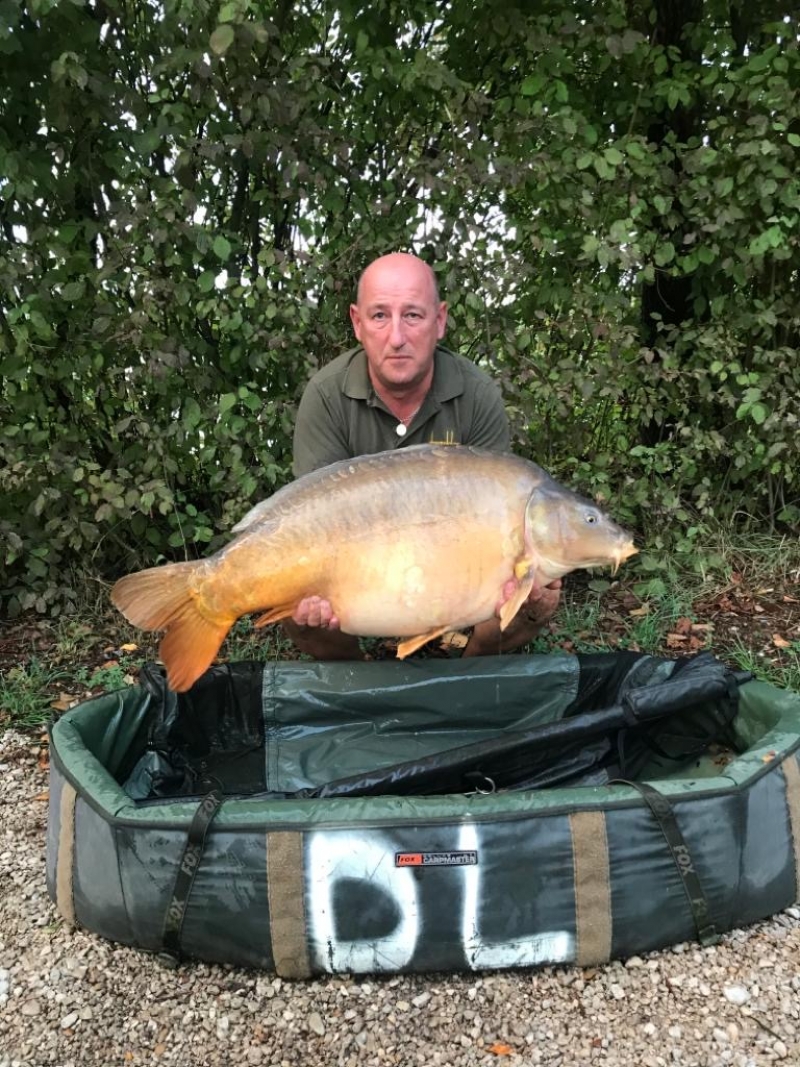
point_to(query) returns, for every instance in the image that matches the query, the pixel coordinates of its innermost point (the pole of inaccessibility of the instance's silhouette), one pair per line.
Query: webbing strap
(592, 887)
(65, 861)
(187, 869)
(286, 897)
(791, 772)
(662, 812)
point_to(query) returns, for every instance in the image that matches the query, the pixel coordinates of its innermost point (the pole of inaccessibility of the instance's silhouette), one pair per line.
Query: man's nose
(398, 334)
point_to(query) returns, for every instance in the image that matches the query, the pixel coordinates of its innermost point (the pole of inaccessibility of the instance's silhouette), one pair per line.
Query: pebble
(315, 1023)
(736, 994)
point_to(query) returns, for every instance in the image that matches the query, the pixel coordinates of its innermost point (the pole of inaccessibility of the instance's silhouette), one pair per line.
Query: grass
(26, 693)
(784, 675)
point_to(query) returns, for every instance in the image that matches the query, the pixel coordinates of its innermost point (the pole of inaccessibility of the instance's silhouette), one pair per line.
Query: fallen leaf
(43, 796)
(780, 642)
(129, 648)
(160, 1049)
(683, 625)
(108, 665)
(500, 1048)
(637, 613)
(63, 703)
(676, 640)
(768, 757)
(790, 599)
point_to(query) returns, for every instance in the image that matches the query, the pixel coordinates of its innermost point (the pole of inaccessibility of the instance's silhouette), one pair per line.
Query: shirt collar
(448, 378)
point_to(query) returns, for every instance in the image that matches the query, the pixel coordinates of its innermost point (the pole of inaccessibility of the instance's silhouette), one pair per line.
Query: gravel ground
(68, 998)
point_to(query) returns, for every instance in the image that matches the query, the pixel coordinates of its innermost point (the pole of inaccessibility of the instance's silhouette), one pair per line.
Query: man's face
(398, 321)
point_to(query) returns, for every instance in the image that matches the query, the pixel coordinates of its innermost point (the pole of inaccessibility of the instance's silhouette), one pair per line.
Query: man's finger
(315, 612)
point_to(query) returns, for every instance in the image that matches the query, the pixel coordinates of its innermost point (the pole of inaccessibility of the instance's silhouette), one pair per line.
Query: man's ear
(441, 320)
(355, 318)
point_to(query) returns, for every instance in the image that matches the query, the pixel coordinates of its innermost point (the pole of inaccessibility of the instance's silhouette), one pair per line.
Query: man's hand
(315, 612)
(487, 638)
(314, 628)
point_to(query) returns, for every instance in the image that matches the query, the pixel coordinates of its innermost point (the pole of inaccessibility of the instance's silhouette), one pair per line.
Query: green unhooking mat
(427, 815)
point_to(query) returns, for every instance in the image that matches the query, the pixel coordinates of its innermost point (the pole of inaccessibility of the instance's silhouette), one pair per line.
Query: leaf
(73, 290)
(665, 253)
(205, 282)
(532, 84)
(780, 642)
(500, 1048)
(222, 38)
(64, 702)
(226, 402)
(222, 247)
(599, 585)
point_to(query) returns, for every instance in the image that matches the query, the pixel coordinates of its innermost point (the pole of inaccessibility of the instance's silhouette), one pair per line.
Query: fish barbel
(409, 543)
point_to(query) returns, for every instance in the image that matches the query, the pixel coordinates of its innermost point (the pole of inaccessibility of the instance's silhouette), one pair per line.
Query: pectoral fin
(282, 611)
(525, 573)
(405, 648)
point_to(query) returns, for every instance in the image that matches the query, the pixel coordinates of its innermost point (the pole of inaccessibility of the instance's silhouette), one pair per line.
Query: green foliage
(25, 695)
(784, 675)
(188, 193)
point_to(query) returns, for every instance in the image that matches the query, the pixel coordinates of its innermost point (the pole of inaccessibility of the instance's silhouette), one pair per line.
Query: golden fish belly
(414, 585)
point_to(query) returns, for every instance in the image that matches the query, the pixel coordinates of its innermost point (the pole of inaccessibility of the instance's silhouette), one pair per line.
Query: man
(401, 387)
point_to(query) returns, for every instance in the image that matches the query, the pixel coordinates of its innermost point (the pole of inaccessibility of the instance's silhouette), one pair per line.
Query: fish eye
(591, 517)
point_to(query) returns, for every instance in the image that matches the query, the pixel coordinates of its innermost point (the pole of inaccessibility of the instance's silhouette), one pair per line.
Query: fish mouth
(619, 555)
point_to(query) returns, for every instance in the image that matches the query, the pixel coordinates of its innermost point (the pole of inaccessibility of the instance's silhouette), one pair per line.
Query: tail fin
(162, 598)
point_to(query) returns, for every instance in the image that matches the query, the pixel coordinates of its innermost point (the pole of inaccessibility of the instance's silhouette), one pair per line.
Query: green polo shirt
(340, 416)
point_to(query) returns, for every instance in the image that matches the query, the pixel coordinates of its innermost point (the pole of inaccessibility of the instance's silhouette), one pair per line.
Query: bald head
(399, 320)
(399, 264)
